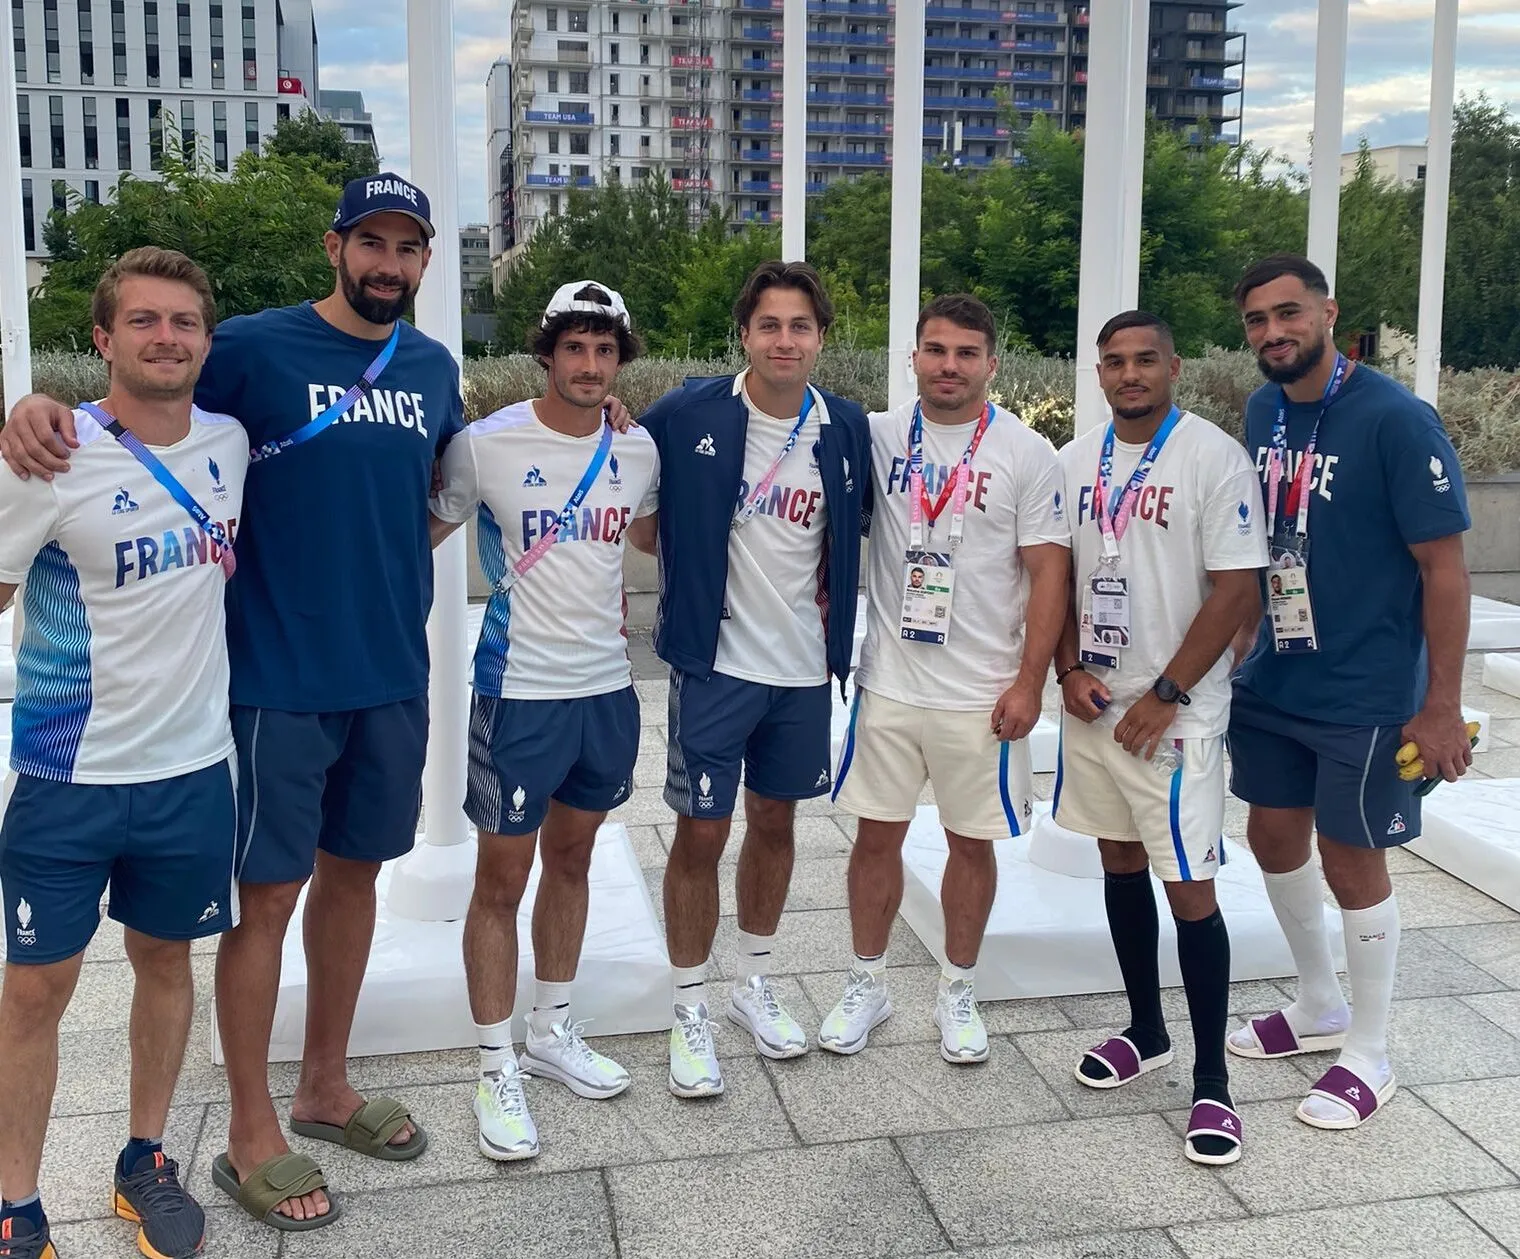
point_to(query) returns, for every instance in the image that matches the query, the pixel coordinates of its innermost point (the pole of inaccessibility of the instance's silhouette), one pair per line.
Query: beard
(1287, 373)
(372, 309)
(1133, 413)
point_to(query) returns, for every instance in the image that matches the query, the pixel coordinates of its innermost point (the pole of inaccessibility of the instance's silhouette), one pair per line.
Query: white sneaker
(863, 1007)
(507, 1131)
(753, 1006)
(562, 1055)
(962, 1036)
(694, 1070)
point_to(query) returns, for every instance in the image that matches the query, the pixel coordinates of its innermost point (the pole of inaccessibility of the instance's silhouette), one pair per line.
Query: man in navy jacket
(763, 483)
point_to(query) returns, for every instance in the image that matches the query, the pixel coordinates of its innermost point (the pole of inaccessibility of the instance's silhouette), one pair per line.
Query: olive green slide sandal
(369, 1131)
(271, 1183)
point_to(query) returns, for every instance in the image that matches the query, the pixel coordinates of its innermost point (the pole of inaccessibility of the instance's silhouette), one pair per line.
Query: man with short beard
(1364, 495)
(329, 664)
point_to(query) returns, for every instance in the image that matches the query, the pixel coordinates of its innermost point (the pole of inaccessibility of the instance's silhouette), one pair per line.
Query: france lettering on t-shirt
(148, 555)
(1321, 479)
(1152, 504)
(936, 476)
(795, 504)
(589, 524)
(377, 406)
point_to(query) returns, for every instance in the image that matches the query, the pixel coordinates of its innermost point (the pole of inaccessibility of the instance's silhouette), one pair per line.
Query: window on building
(580, 172)
(28, 213)
(251, 126)
(551, 19)
(640, 173)
(18, 35)
(1419, 173)
(250, 49)
(92, 191)
(281, 111)
(616, 110)
(554, 142)
(613, 84)
(187, 130)
(219, 134)
(86, 42)
(553, 80)
(55, 130)
(643, 54)
(643, 115)
(24, 121)
(155, 134)
(61, 195)
(644, 145)
(615, 144)
(91, 134)
(218, 48)
(119, 42)
(50, 40)
(554, 203)
(580, 143)
(186, 59)
(615, 24)
(150, 41)
(615, 174)
(577, 20)
(615, 52)
(554, 168)
(580, 82)
(123, 133)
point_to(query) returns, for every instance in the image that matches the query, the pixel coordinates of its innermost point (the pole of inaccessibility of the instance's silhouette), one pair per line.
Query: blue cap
(385, 193)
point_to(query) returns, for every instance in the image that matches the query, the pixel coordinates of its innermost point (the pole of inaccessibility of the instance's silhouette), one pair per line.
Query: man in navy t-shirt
(329, 665)
(1360, 652)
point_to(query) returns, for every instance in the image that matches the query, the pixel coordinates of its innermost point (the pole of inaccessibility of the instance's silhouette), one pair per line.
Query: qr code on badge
(939, 610)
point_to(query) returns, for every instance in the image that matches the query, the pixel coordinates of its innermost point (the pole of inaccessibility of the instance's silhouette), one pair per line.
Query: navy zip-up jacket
(699, 493)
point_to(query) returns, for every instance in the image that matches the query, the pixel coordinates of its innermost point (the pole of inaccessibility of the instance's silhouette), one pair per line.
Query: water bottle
(1168, 752)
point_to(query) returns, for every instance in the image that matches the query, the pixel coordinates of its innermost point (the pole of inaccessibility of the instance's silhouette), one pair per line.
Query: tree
(308, 134)
(1378, 256)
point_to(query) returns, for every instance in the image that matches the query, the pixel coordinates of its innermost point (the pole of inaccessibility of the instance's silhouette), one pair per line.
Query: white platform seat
(1471, 829)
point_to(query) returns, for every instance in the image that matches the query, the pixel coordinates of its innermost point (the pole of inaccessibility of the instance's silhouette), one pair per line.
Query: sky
(363, 47)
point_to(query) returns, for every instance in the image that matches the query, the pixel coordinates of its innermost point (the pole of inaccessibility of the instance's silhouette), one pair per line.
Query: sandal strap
(275, 1180)
(371, 1127)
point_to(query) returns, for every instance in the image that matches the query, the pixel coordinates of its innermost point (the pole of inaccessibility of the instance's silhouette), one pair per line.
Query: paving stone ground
(892, 1153)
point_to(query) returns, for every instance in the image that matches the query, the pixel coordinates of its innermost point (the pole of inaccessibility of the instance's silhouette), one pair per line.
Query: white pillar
(15, 327)
(907, 198)
(1443, 73)
(1325, 149)
(794, 130)
(1113, 169)
(434, 882)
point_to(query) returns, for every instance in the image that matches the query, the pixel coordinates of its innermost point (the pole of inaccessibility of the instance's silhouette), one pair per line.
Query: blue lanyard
(1298, 500)
(161, 474)
(763, 487)
(1111, 523)
(336, 410)
(540, 548)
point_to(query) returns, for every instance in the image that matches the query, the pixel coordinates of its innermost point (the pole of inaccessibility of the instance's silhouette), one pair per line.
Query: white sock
(875, 967)
(551, 999)
(1298, 899)
(752, 955)
(495, 1041)
(689, 984)
(1372, 951)
(949, 973)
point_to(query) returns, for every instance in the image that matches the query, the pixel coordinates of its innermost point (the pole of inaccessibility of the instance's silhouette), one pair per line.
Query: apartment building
(347, 109)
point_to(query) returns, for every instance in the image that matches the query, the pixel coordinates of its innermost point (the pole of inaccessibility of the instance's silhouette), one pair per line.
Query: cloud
(363, 47)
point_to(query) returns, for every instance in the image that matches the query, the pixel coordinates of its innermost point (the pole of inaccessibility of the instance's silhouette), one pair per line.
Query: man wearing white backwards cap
(554, 723)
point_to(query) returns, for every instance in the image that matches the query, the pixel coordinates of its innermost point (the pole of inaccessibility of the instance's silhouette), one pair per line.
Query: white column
(794, 130)
(1325, 149)
(1443, 73)
(1113, 168)
(907, 197)
(434, 882)
(15, 327)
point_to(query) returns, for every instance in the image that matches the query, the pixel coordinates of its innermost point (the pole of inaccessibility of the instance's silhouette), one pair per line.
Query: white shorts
(982, 785)
(1103, 790)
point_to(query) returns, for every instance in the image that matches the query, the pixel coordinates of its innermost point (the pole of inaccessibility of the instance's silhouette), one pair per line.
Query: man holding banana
(1352, 694)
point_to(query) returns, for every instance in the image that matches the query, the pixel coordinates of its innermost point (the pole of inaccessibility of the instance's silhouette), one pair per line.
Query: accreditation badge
(1288, 596)
(928, 586)
(1105, 625)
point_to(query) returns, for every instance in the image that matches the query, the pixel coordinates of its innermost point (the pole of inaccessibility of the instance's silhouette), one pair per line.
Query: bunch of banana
(1412, 768)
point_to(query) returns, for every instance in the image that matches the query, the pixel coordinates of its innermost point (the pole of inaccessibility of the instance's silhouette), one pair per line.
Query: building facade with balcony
(99, 81)
(348, 111)
(619, 88)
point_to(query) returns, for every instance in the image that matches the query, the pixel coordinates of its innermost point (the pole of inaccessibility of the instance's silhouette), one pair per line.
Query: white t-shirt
(1013, 502)
(121, 673)
(559, 633)
(772, 628)
(1198, 512)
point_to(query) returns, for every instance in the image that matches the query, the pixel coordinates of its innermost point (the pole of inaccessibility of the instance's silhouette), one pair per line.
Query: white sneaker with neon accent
(507, 1130)
(962, 1038)
(564, 1056)
(754, 1007)
(863, 1007)
(694, 1070)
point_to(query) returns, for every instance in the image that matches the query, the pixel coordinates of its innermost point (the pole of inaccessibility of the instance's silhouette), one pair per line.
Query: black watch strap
(1168, 692)
(1061, 674)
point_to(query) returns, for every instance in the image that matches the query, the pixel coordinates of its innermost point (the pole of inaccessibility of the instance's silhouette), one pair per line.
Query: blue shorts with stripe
(165, 850)
(527, 752)
(778, 736)
(347, 783)
(1346, 774)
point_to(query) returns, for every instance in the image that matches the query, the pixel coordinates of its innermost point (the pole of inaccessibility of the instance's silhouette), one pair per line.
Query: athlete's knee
(1120, 857)
(1279, 838)
(164, 963)
(501, 883)
(972, 852)
(769, 821)
(1191, 901)
(1357, 876)
(344, 875)
(35, 997)
(265, 908)
(699, 843)
(569, 859)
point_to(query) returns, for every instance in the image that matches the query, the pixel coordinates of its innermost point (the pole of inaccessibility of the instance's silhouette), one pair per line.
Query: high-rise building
(616, 89)
(501, 215)
(474, 262)
(348, 111)
(99, 82)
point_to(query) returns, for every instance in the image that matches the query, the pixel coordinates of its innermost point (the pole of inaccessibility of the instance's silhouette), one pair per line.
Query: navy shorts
(165, 849)
(778, 735)
(347, 783)
(526, 752)
(1346, 774)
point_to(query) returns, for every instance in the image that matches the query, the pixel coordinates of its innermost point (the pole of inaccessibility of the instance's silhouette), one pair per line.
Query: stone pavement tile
(1495, 947)
(527, 1217)
(102, 999)
(731, 1040)
(809, 940)
(1109, 1011)
(648, 847)
(390, 1073)
(1431, 966)
(230, 1234)
(1504, 731)
(1415, 1229)
(894, 1090)
(913, 989)
(1435, 899)
(1150, 1244)
(1501, 1008)
(79, 1158)
(94, 1078)
(1497, 1211)
(106, 944)
(1402, 861)
(1484, 1110)
(1236, 811)
(1406, 1151)
(1501, 762)
(650, 768)
(1436, 1039)
(653, 692)
(855, 1200)
(1056, 1054)
(645, 806)
(1038, 1181)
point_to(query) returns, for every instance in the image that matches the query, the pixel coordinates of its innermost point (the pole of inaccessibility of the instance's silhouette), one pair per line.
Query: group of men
(206, 787)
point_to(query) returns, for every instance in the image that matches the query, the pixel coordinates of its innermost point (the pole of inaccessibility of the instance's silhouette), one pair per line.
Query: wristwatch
(1168, 692)
(1063, 674)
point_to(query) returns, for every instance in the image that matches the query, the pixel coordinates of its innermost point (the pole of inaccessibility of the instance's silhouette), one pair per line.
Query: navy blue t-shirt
(334, 580)
(1386, 477)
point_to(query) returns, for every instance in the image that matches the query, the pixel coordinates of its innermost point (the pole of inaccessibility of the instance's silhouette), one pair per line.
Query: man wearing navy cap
(348, 408)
